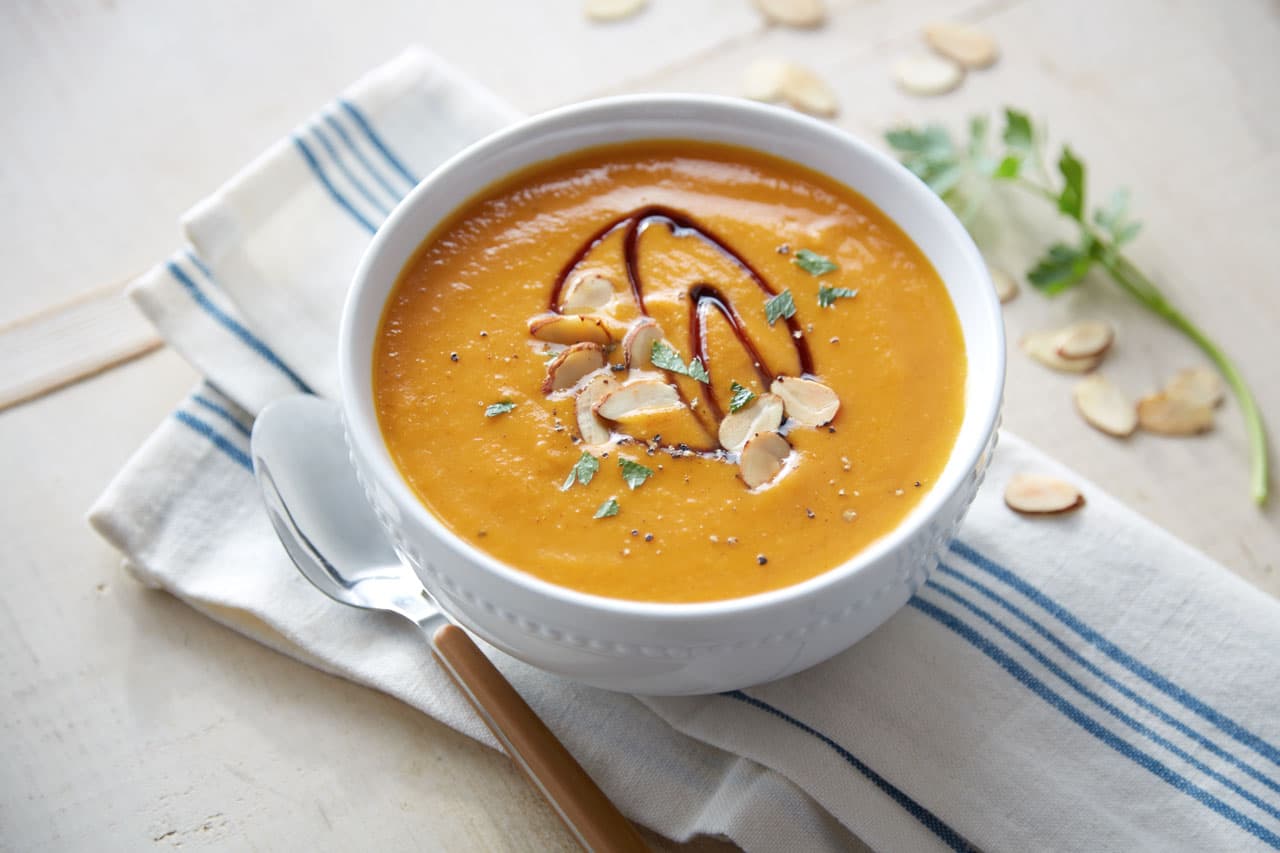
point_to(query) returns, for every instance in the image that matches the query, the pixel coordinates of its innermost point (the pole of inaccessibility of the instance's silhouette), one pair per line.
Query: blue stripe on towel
(1111, 682)
(367, 129)
(199, 264)
(1111, 709)
(221, 412)
(1092, 726)
(219, 441)
(1111, 650)
(339, 198)
(931, 821)
(235, 327)
(346, 171)
(345, 137)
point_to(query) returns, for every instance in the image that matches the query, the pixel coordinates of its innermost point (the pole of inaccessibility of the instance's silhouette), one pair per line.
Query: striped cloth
(1085, 682)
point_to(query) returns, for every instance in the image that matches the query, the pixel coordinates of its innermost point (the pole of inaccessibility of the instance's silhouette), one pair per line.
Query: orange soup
(669, 371)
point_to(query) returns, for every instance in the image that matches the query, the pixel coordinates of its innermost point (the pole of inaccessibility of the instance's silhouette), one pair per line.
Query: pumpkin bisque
(669, 371)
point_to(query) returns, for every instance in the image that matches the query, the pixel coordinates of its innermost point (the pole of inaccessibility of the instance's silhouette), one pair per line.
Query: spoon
(320, 513)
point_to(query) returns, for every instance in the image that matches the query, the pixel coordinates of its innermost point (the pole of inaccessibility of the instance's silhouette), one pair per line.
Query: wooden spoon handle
(594, 821)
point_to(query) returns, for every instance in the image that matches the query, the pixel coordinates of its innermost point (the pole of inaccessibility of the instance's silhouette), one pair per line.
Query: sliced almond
(765, 80)
(568, 367)
(927, 75)
(612, 10)
(643, 396)
(593, 430)
(1105, 406)
(763, 458)
(1037, 494)
(1199, 385)
(808, 93)
(1006, 285)
(793, 13)
(637, 344)
(1169, 415)
(569, 329)
(969, 46)
(1085, 340)
(587, 294)
(1043, 347)
(807, 400)
(763, 415)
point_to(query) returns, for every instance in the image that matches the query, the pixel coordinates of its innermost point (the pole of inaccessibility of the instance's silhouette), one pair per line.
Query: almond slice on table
(1037, 494)
(587, 294)
(642, 396)
(612, 10)
(927, 75)
(1198, 385)
(763, 415)
(569, 329)
(1105, 406)
(1169, 415)
(1085, 340)
(568, 367)
(808, 401)
(793, 13)
(969, 46)
(1005, 284)
(593, 430)
(637, 344)
(1043, 347)
(765, 80)
(808, 93)
(763, 458)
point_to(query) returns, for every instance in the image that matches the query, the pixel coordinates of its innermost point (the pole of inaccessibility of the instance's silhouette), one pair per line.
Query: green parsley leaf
(778, 306)
(813, 263)
(827, 296)
(740, 397)
(698, 372)
(977, 136)
(499, 408)
(582, 471)
(607, 509)
(664, 356)
(1114, 219)
(1008, 168)
(1061, 268)
(1018, 135)
(633, 473)
(1071, 200)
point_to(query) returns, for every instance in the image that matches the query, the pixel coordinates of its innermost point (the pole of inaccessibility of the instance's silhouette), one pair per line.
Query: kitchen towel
(1079, 682)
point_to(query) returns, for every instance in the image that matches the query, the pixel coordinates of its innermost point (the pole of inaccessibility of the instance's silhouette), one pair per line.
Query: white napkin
(1085, 682)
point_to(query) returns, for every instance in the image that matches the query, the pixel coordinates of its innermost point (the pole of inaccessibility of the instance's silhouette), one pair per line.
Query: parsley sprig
(663, 355)
(964, 175)
(739, 397)
(633, 473)
(582, 471)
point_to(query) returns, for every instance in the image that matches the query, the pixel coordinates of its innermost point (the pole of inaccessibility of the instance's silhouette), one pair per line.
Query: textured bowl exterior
(676, 648)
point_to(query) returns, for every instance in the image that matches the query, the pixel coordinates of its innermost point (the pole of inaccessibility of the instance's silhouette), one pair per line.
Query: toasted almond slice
(793, 13)
(637, 344)
(807, 400)
(926, 75)
(568, 367)
(1037, 494)
(593, 430)
(569, 329)
(643, 396)
(969, 46)
(587, 294)
(807, 92)
(1105, 406)
(762, 459)
(765, 80)
(1169, 415)
(1085, 340)
(763, 415)
(1006, 285)
(1199, 385)
(612, 10)
(1043, 347)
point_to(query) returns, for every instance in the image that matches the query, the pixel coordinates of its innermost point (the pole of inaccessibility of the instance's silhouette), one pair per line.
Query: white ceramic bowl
(676, 648)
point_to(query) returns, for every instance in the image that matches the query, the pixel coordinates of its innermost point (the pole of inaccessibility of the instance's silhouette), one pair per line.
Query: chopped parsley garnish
(607, 509)
(741, 397)
(781, 305)
(827, 296)
(813, 263)
(582, 471)
(499, 408)
(664, 356)
(633, 472)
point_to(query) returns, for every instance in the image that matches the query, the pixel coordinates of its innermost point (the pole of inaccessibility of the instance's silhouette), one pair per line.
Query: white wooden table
(130, 721)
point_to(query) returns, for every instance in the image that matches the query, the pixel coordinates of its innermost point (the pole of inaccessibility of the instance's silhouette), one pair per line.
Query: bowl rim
(366, 438)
